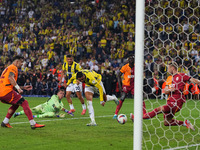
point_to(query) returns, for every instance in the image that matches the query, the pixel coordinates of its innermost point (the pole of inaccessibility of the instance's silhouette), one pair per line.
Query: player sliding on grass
(9, 96)
(51, 108)
(94, 84)
(128, 83)
(175, 101)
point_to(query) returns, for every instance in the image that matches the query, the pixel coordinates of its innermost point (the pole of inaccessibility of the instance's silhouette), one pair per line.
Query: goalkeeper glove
(69, 112)
(102, 103)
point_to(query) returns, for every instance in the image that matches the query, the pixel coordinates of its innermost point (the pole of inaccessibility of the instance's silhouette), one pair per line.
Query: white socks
(6, 120)
(110, 98)
(83, 106)
(32, 122)
(71, 106)
(91, 110)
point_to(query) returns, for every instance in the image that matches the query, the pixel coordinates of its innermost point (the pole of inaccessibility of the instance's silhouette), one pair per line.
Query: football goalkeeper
(51, 108)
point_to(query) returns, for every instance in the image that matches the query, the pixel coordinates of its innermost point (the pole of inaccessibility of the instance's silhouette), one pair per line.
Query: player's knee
(166, 123)
(68, 95)
(21, 101)
(123, 97)
(24, 103)
(79, 95)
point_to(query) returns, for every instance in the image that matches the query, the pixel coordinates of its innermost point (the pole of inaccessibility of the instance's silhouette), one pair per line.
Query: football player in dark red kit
(8, 81)
(128, 70)
(175, 101)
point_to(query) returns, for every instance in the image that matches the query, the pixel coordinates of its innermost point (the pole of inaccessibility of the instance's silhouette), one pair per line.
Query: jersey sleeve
(186, 77)
(123, 69)
(71, 79)
(63, 66)
(78, 67)
(98, 76)
(169, 81)
(100, 90)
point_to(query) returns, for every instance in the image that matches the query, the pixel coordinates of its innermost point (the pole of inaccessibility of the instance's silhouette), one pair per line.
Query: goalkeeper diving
(51, 108)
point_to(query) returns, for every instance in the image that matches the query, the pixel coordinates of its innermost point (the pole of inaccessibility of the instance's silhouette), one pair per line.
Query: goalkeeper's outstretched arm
(68, 112)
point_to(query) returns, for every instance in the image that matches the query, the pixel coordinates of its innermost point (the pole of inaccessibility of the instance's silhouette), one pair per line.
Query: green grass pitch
(69, 133)
(72, 132)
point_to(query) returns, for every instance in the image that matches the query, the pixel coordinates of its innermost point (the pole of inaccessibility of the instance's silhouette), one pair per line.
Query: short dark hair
(62, 88)
(174, 64)
(69, 56)
(79, 75)
(18, 57)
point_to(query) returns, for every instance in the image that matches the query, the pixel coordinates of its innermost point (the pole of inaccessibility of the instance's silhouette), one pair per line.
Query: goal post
(139, 59)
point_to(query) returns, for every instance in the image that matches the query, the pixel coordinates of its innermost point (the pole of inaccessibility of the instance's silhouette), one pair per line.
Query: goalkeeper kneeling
(51, 108)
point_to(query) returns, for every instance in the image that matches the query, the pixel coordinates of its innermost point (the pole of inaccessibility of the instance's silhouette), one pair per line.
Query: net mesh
(172, 33)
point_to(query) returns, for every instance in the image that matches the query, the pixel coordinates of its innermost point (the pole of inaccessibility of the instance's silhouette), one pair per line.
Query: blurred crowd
(100, 35)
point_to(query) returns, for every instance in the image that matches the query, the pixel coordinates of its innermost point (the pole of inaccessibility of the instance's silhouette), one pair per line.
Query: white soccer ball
(122, 119)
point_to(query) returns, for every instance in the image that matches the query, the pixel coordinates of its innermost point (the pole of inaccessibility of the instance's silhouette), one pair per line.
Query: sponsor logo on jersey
(131, 76)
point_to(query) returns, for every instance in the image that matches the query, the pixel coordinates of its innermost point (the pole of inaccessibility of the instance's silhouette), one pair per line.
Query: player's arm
(119, 79)
(62, 76)
(13, 82)
(78, 67)
(98, 76)
(193, 80)
(100, 91)
(71, 79)
(168, 90)
(67, 111)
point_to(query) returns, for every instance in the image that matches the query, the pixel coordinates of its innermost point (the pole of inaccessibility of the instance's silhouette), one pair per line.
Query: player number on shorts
(77, 88)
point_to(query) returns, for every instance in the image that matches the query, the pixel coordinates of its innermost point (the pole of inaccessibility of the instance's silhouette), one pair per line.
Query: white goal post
(139, 59)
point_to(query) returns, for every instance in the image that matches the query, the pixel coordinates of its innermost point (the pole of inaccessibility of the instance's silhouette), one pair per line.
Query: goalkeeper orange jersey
(5, 85)
(129, 74)
(169, 84)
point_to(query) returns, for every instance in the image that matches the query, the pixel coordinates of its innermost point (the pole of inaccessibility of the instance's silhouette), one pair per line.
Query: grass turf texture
(68, 133)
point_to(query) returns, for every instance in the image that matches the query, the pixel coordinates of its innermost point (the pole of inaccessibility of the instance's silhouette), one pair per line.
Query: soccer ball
(122, 119)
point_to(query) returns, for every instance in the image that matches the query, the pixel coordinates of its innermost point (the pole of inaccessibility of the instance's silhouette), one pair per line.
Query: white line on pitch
(64, 119)
(181, 147)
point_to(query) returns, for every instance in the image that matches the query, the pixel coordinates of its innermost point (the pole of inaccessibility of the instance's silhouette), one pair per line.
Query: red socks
(150, 114)
(27, 110)
(119, 106)
(174, 123)
(11, 111)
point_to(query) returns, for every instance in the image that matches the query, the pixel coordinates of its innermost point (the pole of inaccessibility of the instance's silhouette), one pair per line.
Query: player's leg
(107, 98)
(89, 92)
(47, 114)
(69, 90)
(123, 96)
(11, 111)
(78, 90)
(153, 113)
(38, 109)
(10, 98)
(169, 121)
(168, 117)
(16, 99)
(24, 103)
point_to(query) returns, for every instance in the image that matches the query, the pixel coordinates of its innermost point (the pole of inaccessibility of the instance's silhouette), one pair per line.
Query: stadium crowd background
(100, 35)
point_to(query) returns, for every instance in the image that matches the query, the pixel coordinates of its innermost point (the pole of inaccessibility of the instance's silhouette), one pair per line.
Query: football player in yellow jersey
(93, 84)
(69, 69)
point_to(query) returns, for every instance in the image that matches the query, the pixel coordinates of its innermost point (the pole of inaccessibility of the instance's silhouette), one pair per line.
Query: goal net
(172, 33)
